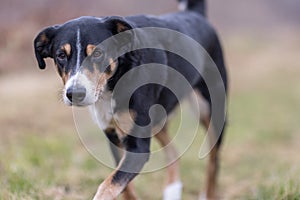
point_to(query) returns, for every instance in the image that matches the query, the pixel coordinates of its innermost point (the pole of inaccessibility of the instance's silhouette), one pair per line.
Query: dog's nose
(76, 94)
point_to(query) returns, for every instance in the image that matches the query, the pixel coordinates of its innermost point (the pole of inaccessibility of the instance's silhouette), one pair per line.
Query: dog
(90, 75)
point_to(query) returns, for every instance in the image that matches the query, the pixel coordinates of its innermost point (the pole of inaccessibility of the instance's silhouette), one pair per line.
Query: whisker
(60, 93)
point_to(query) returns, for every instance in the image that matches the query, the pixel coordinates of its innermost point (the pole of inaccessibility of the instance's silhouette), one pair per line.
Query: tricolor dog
(90, 74)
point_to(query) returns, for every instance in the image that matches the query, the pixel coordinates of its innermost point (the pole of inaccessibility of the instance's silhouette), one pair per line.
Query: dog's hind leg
(203, 101)
(212, 169)
(116, 150)
(173, 187)
(213, 162)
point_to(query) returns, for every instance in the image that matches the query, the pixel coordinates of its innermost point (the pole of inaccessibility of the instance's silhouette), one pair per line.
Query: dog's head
(84, 66)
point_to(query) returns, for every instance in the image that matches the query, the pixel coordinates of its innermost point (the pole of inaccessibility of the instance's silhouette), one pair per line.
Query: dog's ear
(43, 44)
(117, 25)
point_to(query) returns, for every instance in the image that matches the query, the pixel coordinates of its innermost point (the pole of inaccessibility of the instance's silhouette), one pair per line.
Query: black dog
(90, 73)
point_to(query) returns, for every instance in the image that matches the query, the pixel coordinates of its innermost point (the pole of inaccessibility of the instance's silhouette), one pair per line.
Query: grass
(41, 156)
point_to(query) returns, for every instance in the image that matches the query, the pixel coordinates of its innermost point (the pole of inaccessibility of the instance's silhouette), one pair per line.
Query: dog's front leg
(136, 155)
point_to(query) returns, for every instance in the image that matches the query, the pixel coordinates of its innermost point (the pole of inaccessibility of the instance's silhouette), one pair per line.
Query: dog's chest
(102, 111)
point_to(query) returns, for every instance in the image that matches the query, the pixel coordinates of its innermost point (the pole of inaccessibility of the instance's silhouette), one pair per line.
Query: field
(42, 157)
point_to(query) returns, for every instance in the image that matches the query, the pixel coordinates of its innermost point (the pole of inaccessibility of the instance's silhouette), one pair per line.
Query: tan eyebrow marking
(89, 49)
(121, 27)
(44, 38)
(67, 48)
(113, 64)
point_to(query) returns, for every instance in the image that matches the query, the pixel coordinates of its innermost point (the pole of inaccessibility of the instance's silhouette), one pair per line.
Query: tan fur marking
(197, 100)
(212, 167)
(99, 79)
(173, 174)
(121, 27)
(124, 122)
(92, 76)
(102, 80)
(112, 65)
(89, 49)
(107, 190)
(65, 77)
(67, 48)
(129, 192)
(44, 38)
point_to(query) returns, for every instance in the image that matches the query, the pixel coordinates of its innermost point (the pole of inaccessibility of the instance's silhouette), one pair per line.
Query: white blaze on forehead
(78, 47)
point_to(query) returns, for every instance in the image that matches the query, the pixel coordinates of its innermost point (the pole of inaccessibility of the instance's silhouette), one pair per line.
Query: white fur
(202, 197)
(182, 6)
(102, 110)
(78, 46)
(82, 80)
(173, 191)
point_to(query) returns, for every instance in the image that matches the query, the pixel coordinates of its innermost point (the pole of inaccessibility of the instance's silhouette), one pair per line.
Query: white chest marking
(102, 111)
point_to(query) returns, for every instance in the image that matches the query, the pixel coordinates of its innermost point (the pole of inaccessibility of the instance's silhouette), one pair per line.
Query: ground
(41, 156)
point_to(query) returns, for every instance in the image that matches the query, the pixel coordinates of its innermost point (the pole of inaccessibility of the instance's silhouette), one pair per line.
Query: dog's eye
(61, 56)
(97, 54)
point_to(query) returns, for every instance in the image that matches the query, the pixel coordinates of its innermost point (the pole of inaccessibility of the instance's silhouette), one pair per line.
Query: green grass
(288, 190)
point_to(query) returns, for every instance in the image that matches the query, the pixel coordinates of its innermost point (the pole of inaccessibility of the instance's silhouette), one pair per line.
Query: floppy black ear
(120, 24)
(43, 44)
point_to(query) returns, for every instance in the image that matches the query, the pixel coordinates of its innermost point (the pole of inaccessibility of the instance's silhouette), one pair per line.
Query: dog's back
(190, 21)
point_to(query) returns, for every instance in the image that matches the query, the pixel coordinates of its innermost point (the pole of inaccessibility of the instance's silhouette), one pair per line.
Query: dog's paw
(173, 191)
(202, 197)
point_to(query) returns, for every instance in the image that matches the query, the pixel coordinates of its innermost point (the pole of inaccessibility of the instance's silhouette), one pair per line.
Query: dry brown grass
(259, 157)
(41, 156)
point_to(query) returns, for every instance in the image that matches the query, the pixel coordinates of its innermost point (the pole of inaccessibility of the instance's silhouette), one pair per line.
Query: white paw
(202, 197)
(173, 191)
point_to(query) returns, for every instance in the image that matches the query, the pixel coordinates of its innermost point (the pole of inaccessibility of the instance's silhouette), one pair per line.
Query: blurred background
(41, 156)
